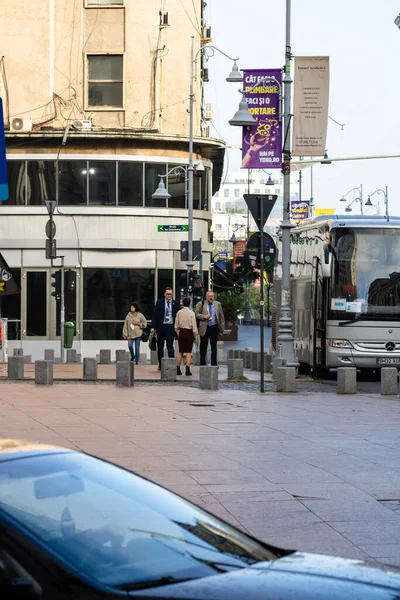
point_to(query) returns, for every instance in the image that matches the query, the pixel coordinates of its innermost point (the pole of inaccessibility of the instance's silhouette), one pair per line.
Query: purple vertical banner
(262, 143)
(300, 210)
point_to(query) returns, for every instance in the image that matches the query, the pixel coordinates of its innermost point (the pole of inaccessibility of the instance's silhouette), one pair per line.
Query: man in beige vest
(211, 323)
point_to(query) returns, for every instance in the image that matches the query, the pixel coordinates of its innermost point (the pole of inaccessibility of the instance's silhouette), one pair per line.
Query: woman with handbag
(135, 323)
(186, 330)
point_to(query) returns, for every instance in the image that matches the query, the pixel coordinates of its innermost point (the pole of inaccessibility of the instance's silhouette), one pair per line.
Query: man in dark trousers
(163, 322)
(211, 320)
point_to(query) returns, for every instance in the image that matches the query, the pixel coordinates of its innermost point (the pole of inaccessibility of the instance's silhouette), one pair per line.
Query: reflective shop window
(16, 182)
(102, 182)
(130, 184)
(196, 192)
(152, 179)
(177, 186)
(165, 278)
(40, 181)
(72, 182)
(11, 305)
(36, 303)
(204, 190)
(107, 293)
(96, 330)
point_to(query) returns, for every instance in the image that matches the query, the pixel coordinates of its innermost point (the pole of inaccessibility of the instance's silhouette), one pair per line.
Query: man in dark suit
(164, 314)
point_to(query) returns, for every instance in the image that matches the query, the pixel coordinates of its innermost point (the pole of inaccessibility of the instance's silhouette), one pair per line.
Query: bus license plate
(388, 361)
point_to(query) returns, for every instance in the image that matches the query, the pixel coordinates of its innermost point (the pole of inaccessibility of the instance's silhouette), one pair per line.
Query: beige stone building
(96, 99)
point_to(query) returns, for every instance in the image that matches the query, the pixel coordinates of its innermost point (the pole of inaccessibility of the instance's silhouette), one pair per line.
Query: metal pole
(312, 193)
(190, 263)
(361, 199)
(300, 175)
(261, 296)
(285, 335)
(247, 314)
(62, 311)
(386, 204)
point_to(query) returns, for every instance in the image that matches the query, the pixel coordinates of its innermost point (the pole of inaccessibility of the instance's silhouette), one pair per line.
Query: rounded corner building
(96, 108)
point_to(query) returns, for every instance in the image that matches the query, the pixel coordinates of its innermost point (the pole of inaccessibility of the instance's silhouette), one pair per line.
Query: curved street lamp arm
(203, 50)
(175, 171)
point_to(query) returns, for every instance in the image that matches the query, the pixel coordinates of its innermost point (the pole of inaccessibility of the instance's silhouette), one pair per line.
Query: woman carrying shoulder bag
(186, 330)
(135, 323)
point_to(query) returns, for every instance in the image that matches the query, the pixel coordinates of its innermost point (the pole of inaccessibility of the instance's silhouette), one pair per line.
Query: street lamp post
(385, 195)
(358, 199)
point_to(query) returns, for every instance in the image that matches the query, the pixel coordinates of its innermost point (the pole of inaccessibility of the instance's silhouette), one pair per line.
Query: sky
(363, 44)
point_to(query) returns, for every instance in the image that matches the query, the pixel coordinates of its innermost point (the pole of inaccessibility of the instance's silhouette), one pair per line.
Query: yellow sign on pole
(324, 211)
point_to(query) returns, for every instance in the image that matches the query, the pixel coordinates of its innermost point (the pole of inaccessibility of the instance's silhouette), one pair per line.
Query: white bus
(345, 284)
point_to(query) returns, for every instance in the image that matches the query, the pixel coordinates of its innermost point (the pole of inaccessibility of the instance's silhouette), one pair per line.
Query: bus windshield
(366, 274)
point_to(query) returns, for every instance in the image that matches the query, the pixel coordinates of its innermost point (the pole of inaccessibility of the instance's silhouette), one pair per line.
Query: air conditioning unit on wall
(21, 124)
(85, 124)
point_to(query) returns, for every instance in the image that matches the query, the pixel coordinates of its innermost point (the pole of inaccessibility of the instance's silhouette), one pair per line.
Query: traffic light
(56, 284)
(198, 289)
(183, 285)
(70, 281)
(190, 282)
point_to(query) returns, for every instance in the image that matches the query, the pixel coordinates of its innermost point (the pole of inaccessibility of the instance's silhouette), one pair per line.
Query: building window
(72, 182)
(105, 80)
(177, 187)
(257, 191)
(218, 206)
(152, 179)
(102, 182)
(104, 2)
(16, 183)
(41, 181)
(218, 226)
(226, 193)
(237, 193)
(130, 184)
(107, 294)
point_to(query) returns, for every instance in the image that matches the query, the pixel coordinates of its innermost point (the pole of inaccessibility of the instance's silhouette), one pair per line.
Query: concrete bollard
(125, 374)
(27, 358)
(71, 355)
(278, 363)
(220, 355)
(389, 384)
(235, 368)
(15, 367)
(209, 378)
(256, 361)
(242, 355)
(286, 379)
(230, 354)
(143, 359)
(267, 363)
(105, 357)
(44, 372)
(346, 380)
(154, 357)
(122, 355)
(49, 355)
(98, 358)
(247, 359)
(90, 369)
(18, 352)
(168, 369)
(196, 358)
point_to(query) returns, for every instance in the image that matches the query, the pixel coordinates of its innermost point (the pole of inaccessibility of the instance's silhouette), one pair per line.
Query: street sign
(253, 204)
(163, 228)
(8, 285)
(51, 206)
(196, 250)
(51, 249)
(50, 229)
(253, 250)
(3, 161)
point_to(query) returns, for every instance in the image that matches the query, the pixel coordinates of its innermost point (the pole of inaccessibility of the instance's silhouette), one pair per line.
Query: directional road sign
(3, 162)
(162, 228)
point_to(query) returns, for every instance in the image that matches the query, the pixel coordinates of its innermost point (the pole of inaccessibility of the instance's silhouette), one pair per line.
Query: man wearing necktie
(163, 321)
(211, 323)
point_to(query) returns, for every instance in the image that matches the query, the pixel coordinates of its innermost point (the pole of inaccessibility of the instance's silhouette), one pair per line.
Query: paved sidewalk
(308, 471)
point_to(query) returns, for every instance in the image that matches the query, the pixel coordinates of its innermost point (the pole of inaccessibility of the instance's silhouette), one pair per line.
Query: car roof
(11, 449)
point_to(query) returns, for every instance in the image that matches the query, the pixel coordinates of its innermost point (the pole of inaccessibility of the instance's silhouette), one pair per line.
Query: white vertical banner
(310, 106)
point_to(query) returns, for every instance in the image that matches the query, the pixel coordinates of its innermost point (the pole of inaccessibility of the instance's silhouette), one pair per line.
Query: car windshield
(366, 274)
(116, 527)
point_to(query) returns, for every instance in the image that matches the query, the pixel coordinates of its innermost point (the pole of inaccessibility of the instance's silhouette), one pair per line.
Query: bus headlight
(339, 343)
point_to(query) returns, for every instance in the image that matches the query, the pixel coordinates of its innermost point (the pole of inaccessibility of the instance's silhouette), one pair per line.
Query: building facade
(96, 99)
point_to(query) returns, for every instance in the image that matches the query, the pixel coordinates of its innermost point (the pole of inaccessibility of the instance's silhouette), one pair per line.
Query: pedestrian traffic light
(190, 282)
(183, 291)
(70, 281)
(198, 288)
(56, 284)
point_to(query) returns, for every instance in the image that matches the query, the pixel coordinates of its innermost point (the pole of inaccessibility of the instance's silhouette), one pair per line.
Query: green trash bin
(69, 329)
